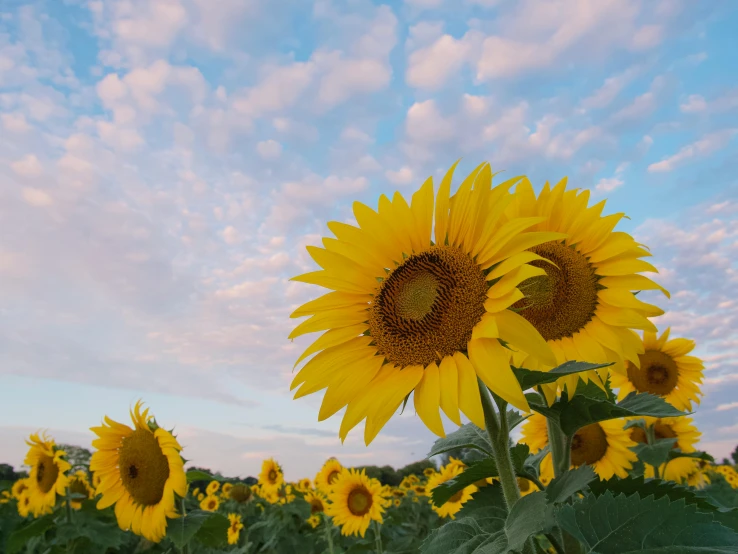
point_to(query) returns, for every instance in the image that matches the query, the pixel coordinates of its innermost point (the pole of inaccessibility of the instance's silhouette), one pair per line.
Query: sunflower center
(272, 476)
(523, 484)
(588, 445)
(144, 469)
(332, 476)
(456, 497)
(564, 300)
(359, 501)
(658, 373)
(46, 473)
(428, 307)
(77, 486)
(316, 506)
(211, 504)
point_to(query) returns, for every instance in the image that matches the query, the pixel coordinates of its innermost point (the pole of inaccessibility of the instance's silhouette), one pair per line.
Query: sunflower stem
(378, 536)
(499, 438)
(185, 547)
(69, 507)
(328, 537)
(560, 444)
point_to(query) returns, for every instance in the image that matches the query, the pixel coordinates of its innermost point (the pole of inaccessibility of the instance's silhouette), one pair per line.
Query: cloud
(609, 90)
(707, 145)
(269, 149)
(725, 407)
(402, 176)
(36, 197)
(695, 103)
(27, 166)
(433, 66)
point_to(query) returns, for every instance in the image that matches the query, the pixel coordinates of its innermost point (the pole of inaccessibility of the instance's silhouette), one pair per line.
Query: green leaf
(477, 470)
(652, 487)
(19, 537)
(467, 436)
(98, 531)
(197, 475)
(529, 516)
(487, 500)
(630, 524)
(728, 518)
(591, 390)
(655, 454)
(466, 536)
(561, 488)
(698, 455)
(533, 462)
(529, 378)
(515, 418)
(580, 411)
(518, 454)
(180, 531)
(214, 530)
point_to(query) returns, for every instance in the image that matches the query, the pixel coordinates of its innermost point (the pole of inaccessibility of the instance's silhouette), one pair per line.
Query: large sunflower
(271, 476)
(48, 477)
(355, 501)
(584, 304)
(328, 474)
(603, 445)
(420, 302)
(665, 370)
(686, 434)
(453, 504)
(141, 470)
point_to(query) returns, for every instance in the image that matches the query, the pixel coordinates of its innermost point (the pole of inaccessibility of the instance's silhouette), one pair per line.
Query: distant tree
(76, 455)
(7, 473)
(416, 468)
(734, 455)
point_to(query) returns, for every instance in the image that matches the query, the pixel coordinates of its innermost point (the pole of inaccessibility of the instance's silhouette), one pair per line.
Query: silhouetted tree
(76, 455)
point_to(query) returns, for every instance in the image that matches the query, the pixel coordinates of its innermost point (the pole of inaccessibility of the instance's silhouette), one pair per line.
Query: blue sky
(164, 163)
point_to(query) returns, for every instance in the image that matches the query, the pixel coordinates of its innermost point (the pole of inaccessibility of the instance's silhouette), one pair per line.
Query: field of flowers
(509, 307)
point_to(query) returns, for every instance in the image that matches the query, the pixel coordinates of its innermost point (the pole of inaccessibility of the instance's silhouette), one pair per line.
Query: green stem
(69, 507)
(378, 536)
(185, 547)
(498, 437)
(560, 445)
(328, 537)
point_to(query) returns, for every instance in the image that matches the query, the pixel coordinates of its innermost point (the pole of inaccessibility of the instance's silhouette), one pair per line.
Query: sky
(164, 163)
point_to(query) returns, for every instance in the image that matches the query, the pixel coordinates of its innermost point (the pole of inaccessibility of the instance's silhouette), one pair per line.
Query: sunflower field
(527, 314)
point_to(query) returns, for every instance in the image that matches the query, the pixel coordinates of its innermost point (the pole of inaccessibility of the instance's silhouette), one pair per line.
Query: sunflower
(234, 530)
(730, 475)
(95, 481)
(328, 474)
(48, 476)
(603, 445)
(271, 476)
(196, 492)
(456, 462)
(304, 485)
(420, 490)
(526, 486)
(428, 471)
(420, 302)
(584, 304)
(226, 490)
(200, 496)
(269, 494)
(212, 488)
(313, 521)
(355, 501)
(241, 493)
(5, 497)
(19, 487)
(316, 500)
(24, 504)
(78, 484)
(284, 494)
(686, 434)
(453, 504)
(141, 470)
(399, 492)
(666, 370)
(210, 503)
(397, 502)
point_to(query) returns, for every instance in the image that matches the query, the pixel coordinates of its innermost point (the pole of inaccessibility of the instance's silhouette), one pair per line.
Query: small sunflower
(328, 475)
(729, 473)
(271, 476)
(226, 490)
(241, 493)
(212, 488)
(79, 484)
(422, 307)
(686, 434)
(95, 481)
(196, 492)
(234, 530)
(420, 490)
(24, 505)
(313, 521)
(583, 305)
(284, 494)
(48, 476)
(453, 504)
(316, 500)
(399, 492)
(19, 487)
(304, 485)
(355, 501)
(428, 471)
(269, 494)
(665, 370)
(5, 497)
(210, 503)
(604, 445)
(141, 470)
(456, 462)
(397, 502)
(200, 496)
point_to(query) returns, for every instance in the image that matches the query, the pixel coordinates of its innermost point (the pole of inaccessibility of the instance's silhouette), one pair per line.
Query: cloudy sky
(163, 164)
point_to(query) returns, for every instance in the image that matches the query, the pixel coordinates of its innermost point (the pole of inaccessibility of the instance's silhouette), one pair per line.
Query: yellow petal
(449, 383)
(520, 333)
(442, 206)
(491, 363)
(330, 280)
(332, 337)
(632, 282)
(624, 267)
(469, 401)
(355, 377)
(518, 243)
(331, 301)
(340, 317)
(494, 305)
(624, 317)
(428, 398)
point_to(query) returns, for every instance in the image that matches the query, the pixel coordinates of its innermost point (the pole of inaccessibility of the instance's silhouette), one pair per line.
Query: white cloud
(27, 166)
(402, 176)
(345, 77)
(708, 144)
(279, 88)
(695, 103)
(423, 34)
(612, 86)
(725, 407)
(425, 123)
(15, 122)
(230, 235)
(354, 134)
(269, 149)
(425, 4)
(431, 67)
(36, 197)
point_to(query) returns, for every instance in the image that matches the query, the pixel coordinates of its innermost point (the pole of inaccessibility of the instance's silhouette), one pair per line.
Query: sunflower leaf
(519, 454)
(529, 516)
(570, 482)
(653, 487)
(198, 475)
(487, 500)
(529, 378)
(607, 524)
(466, 536)
(181, 531)
(214, 530)
(698, 455)
(467, 436)
(18, 538)
(580, 411)
(655, 454)
(515, 418)
(475, 472)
